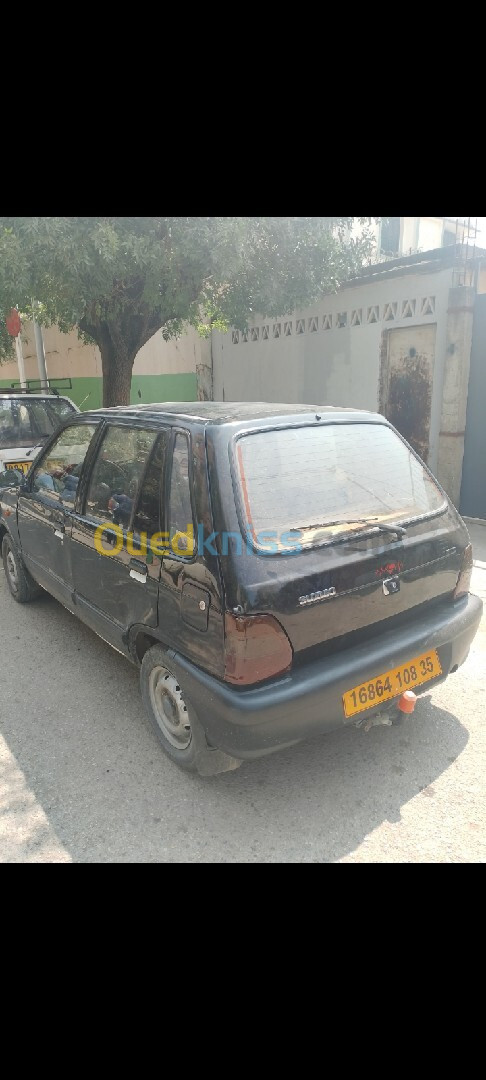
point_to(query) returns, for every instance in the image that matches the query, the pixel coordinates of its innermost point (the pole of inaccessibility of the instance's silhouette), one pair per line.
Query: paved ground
(82, 778)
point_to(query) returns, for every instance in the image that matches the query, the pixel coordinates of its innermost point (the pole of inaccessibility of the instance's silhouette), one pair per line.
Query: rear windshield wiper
(399, 529)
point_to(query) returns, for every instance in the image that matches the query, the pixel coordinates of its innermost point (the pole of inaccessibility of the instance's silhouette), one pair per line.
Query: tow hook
(372, 721)
(405, 704)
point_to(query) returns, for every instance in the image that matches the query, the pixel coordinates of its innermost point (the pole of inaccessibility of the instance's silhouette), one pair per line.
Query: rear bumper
(308, 701)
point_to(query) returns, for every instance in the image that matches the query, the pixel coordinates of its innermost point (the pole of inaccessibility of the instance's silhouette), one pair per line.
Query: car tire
(22, 586)
(170, 715)
(173, 719)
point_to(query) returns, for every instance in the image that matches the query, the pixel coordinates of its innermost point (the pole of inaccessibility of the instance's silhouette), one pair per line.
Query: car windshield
(26, 422)
(329, 480)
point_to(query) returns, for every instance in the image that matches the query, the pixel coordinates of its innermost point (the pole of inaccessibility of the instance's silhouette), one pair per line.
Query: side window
(59, 471)
(10, 425)
(181, 523)
(117, 473)
(148, 511)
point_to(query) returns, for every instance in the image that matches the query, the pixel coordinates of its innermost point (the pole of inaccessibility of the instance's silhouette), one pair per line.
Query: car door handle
(138, 570)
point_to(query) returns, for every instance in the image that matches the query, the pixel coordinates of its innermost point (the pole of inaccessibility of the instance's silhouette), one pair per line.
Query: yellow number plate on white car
(21, 466)
(392, 683)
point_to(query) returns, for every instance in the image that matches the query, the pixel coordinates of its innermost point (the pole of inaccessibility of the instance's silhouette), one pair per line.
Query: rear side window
(181, 523)
(117, 473)
(322, 480)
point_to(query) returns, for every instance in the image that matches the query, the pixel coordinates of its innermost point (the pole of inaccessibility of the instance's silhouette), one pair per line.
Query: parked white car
(26, 422)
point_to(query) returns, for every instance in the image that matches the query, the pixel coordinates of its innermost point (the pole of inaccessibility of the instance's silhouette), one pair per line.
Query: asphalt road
(82, 778)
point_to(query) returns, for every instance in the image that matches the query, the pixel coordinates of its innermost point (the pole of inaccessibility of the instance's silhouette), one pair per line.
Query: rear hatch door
(340, 528)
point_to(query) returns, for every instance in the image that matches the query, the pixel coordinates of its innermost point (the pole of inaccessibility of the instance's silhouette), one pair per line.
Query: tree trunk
(119, 335)
(117, 365)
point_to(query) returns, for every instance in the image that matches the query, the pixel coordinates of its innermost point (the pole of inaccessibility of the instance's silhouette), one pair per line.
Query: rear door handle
(138, 570)
(137, 564)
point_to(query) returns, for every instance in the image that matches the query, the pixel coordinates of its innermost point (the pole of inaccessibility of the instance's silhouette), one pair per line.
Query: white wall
(168, 357)
(430, 233)
(409, 234)
(421, 234)
(336, 366)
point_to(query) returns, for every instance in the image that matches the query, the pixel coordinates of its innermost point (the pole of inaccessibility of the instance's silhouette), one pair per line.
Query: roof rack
(36, 386)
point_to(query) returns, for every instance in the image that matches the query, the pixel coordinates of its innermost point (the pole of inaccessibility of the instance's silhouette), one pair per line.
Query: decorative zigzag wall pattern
(393, 311)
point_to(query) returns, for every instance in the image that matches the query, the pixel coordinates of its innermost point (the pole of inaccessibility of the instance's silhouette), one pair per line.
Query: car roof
(227, 412)
(13, 396)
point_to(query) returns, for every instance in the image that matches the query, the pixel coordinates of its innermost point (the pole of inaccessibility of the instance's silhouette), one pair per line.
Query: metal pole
(20, 360)
(41, 356)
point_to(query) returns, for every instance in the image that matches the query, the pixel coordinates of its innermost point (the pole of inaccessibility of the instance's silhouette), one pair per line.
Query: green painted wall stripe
(147, 388)
(87, 393)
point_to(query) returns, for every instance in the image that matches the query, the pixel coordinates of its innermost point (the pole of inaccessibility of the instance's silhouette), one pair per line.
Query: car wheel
(173, 719)
(22, 586)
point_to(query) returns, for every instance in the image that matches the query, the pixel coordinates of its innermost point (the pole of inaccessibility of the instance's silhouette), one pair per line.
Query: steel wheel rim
(12, 571)
(169, 708)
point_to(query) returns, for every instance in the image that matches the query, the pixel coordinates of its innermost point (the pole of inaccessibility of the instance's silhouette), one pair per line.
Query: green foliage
(119, 280)
(7, 349)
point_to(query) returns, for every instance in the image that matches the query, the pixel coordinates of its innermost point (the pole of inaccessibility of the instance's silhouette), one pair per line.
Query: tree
(119, 280)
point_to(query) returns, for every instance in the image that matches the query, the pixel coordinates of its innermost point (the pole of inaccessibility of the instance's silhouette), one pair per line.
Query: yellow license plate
(392, 683)
(21, 466)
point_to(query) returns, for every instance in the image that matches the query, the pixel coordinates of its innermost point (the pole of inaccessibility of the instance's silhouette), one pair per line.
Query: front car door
(45, 506)
(116, 574)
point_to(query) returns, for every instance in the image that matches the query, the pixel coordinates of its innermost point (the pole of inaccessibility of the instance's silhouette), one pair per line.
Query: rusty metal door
(406, 376)
(473, 487)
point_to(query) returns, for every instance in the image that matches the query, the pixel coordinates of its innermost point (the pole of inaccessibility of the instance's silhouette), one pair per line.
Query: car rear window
(320, 480)
(27, 422)
(61, 407)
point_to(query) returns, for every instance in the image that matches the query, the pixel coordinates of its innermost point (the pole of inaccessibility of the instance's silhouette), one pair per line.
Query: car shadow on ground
(335, 790)
(84, 779)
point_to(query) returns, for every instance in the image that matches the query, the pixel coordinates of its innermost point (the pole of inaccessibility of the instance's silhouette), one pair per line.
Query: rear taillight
(256, 647)
(464, 579)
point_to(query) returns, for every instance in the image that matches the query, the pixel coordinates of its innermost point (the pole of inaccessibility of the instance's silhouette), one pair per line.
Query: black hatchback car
(275, 571)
